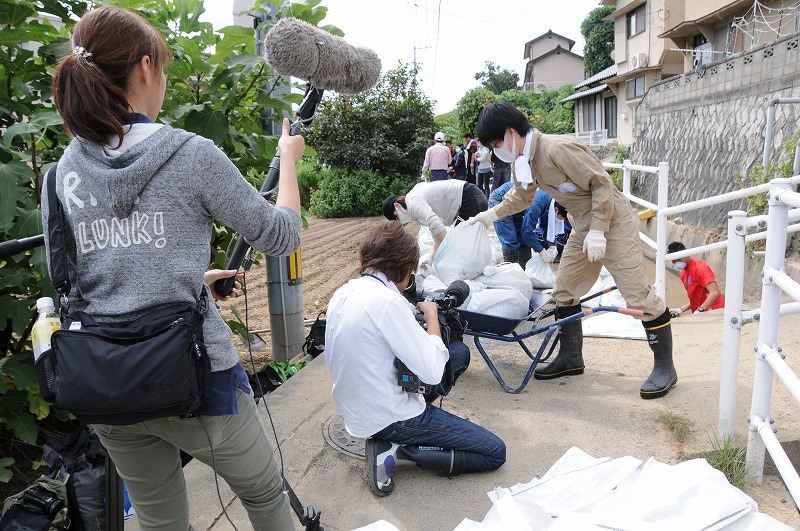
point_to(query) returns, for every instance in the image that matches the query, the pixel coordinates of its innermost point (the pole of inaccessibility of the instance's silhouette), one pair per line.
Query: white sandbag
(432, 283)
(501, 302)
(474, 287)
(464, 253)
(425, 241)
(541, 274)
(497, 249)
(507, 276)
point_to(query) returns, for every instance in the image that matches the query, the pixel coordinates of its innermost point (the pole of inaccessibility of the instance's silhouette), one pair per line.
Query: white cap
(45, 303)
(438, 136)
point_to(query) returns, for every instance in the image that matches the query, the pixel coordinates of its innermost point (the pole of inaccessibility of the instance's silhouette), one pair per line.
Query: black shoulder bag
(121, 373)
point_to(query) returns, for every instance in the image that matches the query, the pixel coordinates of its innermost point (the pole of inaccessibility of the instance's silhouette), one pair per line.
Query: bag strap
(56, 232)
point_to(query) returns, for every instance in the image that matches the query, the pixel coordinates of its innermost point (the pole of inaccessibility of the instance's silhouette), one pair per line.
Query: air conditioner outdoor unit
(638, 60)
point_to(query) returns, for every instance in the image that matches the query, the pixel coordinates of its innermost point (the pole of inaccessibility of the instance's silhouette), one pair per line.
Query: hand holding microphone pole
(290, 149)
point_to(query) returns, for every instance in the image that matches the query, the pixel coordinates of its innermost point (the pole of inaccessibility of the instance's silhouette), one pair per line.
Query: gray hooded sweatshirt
(140, 222)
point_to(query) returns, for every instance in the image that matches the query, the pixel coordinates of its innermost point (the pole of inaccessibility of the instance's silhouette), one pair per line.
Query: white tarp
(580, 492)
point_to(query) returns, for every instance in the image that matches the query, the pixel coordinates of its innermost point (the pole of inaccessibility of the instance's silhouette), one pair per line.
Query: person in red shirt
(699, 281)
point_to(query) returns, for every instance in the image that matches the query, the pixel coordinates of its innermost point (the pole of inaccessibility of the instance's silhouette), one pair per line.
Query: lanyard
(373, 276)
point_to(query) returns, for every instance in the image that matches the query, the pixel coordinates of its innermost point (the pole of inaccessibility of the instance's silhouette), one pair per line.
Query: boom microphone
(296, 48)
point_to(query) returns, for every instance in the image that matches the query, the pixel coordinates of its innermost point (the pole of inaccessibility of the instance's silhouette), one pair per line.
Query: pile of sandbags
(469, 254)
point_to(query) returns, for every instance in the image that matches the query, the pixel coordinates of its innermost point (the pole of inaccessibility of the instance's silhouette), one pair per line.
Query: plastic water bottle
(47, 323)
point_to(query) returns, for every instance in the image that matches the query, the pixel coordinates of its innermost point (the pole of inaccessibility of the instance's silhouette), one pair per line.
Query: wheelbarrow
(485, 326)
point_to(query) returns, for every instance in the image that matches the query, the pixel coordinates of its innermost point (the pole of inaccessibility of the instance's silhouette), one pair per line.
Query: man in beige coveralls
(604, 232)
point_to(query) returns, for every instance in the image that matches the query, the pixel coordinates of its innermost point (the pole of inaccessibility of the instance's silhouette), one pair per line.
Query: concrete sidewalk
(599, 412)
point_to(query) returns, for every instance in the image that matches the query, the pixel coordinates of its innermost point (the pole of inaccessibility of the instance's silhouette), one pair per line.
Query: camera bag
(40, 507)
(121, 373)
(314, 344)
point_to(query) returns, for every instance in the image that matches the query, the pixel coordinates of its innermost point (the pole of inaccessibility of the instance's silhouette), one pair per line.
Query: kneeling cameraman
(369, 324)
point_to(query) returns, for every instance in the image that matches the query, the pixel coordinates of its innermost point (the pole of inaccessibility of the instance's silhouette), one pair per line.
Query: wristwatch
(701, 309)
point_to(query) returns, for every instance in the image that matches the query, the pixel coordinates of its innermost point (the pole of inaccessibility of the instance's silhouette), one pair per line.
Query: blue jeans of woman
(434, 427)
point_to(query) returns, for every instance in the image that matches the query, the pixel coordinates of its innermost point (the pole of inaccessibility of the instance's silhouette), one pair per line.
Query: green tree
(548, 115)
(447, 123)
(496, 80)
(599, 37)
(386, 129)
(469, 107)
(217, 86)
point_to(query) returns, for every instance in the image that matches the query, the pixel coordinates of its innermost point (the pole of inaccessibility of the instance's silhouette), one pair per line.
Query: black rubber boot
(511, 256)
(664, 375)
(524, 255)
(569, 360)
(448, 462)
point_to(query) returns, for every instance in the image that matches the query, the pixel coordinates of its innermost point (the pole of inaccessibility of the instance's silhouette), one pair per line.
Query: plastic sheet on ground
(610, 324)
(581, 492)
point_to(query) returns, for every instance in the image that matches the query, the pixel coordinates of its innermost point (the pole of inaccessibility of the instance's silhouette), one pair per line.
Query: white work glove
(487, 218)
(675, 312)
(547, 256)
(594, 245)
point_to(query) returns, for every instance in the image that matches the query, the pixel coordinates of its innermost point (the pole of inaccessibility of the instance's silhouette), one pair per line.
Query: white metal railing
(660, 245)
(663, 211)
(769, 360)
(739, 227)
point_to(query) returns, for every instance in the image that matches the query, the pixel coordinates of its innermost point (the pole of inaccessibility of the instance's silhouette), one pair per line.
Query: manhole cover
(336, 435)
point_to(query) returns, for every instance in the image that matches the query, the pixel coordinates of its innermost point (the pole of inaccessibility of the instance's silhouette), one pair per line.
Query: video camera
(450, 323)
(39, 500)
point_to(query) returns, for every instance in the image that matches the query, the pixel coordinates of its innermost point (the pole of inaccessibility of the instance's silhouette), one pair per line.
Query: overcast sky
(451, 40)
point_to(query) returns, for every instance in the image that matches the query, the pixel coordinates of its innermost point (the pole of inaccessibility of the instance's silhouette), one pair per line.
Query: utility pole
(415, 54)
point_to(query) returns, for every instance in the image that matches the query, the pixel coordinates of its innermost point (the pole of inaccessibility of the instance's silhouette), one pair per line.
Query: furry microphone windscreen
(296, 48)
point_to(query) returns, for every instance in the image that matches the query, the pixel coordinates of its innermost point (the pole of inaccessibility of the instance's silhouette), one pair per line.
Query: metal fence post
(732, 322)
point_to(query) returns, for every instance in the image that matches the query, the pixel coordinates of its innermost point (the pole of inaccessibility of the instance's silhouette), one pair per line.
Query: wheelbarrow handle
(605, 290)
(630, 311)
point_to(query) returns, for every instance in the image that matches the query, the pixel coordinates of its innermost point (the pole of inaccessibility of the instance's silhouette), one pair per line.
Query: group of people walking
(469, 161)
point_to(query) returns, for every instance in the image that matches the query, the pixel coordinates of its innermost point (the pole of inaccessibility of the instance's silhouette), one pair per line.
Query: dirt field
(329, 252)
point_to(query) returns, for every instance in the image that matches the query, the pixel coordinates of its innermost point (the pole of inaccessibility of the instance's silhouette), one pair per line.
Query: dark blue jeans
(438, 175)
(484, 450)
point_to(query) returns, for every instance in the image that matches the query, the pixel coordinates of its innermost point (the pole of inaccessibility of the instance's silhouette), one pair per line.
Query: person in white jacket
(436, 205)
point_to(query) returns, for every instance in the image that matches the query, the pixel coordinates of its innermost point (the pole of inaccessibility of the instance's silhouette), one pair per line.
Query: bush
(347, 193)
(621, 153)
(386, 129)
(308, 179)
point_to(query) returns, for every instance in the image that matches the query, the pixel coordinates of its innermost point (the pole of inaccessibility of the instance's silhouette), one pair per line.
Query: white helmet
(439, 137)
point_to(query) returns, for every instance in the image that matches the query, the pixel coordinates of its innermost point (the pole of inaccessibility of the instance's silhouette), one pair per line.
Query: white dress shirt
(369, 323)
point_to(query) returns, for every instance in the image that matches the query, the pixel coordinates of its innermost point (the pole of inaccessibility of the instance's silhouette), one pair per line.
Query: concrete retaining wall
(710, 126)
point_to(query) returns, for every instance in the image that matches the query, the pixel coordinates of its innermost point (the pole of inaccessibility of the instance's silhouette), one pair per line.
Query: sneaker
(380, 463)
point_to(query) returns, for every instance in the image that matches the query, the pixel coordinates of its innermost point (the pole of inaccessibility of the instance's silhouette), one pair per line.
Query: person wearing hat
(436, 205)
(605, 232)
(437, 159)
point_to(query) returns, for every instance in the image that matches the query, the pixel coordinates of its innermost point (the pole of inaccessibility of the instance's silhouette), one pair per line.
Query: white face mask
(503, 153)
(680, 266)
(458, 150)
(402, 214)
